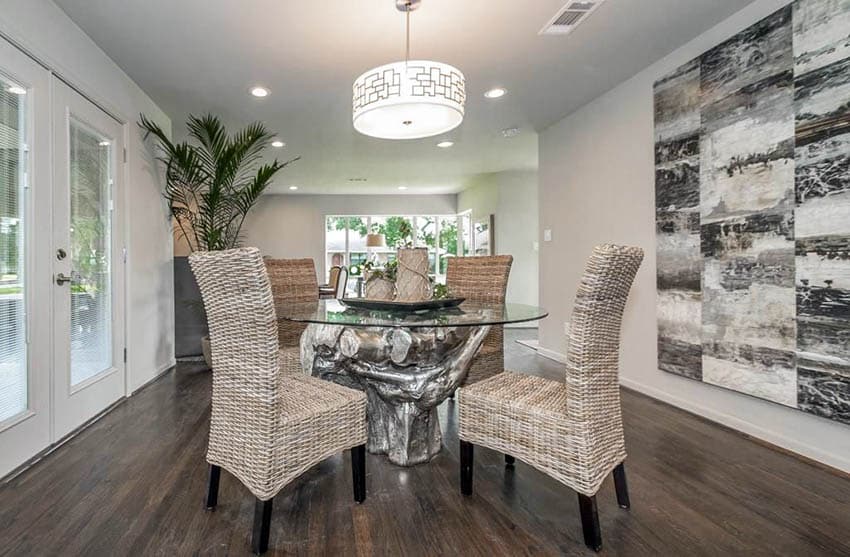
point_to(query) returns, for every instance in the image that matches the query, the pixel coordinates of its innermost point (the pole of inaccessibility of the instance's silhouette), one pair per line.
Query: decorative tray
(384, 305)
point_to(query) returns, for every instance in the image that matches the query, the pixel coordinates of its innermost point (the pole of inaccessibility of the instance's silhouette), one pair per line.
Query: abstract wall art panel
(752, 185)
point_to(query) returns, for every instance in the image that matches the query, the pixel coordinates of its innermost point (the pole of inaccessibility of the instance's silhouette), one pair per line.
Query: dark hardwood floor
(134, 484)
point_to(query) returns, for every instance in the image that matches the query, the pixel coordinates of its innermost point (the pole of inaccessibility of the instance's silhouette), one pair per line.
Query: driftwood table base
(405, 372)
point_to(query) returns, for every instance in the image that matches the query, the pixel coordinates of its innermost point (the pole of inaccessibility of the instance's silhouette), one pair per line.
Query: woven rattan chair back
(333, 276)
(482, 279)
(593, 389)
(243, 334)
(479, 279)
(341, 283)
(292, 281)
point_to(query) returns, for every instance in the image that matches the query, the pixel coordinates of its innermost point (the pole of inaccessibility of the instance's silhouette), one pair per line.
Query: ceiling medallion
(410, 99)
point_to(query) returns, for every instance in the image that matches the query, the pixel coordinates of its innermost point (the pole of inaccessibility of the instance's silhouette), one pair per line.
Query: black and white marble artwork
(752, 172)
(677, 201)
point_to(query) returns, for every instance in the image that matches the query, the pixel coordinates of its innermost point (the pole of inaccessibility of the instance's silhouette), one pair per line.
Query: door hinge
(125, 354)
(26, 167)
(125, 155)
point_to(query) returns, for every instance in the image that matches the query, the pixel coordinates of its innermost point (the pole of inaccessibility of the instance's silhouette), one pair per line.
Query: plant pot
(190, 322)
(379, 288)
(412, 283)
(207, 350)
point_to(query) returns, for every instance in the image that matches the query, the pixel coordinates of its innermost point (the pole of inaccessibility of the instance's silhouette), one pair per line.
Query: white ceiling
(193, 56)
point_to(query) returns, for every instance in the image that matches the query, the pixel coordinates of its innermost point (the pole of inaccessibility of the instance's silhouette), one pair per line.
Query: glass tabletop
(468, 314)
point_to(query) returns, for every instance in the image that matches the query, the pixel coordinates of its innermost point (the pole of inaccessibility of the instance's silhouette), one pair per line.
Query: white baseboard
(795, 446)
(157, 374)
(772, 437)
(552, 355)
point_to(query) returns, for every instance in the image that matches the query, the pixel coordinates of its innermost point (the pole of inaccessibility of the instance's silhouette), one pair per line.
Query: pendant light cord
(407, 40)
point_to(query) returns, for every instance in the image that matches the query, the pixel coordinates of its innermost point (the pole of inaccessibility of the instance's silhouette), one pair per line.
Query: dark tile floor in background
(133, 484)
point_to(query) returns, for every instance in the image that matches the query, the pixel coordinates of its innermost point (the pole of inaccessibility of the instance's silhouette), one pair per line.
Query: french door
(88, 296)
(61, 259)
(25, 176)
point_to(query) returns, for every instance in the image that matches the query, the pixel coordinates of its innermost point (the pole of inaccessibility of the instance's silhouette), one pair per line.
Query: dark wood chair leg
(621, 486)
(466, 454)
(262, 526)
(590, 522)
(212, 486)
(358, 472)
(509, 460)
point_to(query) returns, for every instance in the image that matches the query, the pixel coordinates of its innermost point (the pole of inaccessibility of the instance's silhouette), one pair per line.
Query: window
(345, 239)
(13, 347)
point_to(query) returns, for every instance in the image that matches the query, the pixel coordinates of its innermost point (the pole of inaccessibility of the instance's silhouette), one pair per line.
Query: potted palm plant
(211, 183)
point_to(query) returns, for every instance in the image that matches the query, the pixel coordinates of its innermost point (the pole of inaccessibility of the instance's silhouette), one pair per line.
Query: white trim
(552, 355)
(803, 449)
(99, 376)
(787, 443)
(160, 371)
(20, 417)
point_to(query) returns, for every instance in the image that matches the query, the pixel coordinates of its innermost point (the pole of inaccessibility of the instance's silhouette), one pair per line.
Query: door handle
(62, 279)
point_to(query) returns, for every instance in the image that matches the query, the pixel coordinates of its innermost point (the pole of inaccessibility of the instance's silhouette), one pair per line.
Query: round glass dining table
(407, 362)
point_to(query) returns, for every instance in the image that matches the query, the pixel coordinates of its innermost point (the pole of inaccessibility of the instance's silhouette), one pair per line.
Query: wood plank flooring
(133, 484)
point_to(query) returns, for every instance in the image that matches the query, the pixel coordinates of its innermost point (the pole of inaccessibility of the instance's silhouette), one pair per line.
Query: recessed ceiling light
(402, 188)
(293, 188)
(16, 90)
(258, 91)
(278, 143)
(445, 144)
(104, 143)
(495, 93)
(510, 132)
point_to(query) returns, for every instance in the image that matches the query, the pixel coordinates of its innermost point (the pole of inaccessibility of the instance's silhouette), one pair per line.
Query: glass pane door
(90, 241)
(24, 258)
(13, 168)
(88, 283)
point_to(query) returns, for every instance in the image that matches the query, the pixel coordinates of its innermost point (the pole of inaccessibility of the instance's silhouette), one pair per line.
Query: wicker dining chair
(329, 290)
(482, 279)
(266, 427)
(572, 430)
(292, 281)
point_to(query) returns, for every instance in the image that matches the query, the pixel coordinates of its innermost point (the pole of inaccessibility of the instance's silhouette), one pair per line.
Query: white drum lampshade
(409, 100)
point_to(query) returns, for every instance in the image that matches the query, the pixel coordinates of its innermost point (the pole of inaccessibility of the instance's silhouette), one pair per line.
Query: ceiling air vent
(569, 17)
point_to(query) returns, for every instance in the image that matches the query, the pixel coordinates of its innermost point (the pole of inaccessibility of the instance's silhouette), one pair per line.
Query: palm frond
(211, 187)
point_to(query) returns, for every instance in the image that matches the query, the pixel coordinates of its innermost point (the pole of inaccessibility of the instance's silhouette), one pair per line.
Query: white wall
(512, 197)
(45, 31)
(288, 226)
(597, 185)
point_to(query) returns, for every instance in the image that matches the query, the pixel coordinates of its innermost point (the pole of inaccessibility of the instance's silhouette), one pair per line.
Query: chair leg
(466, 454)
(212, 487)
(509, 460)
(621, 486)
(358, 472)
(590, 522)
(262, 525)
